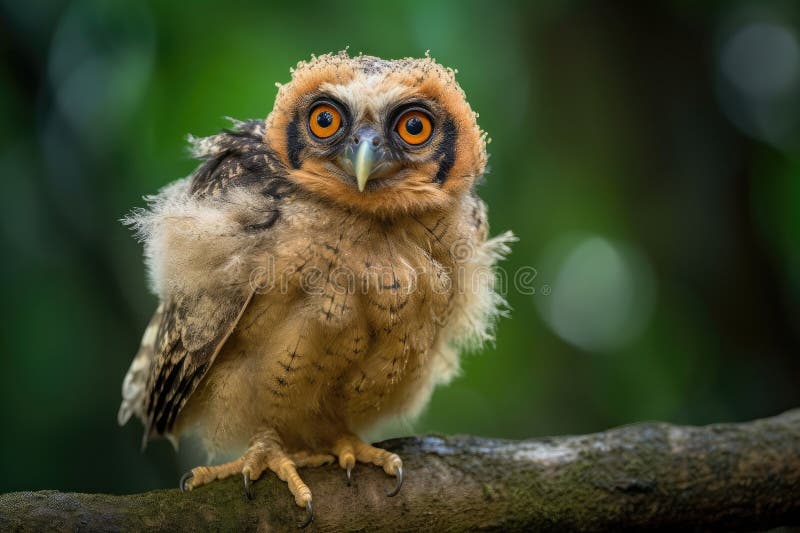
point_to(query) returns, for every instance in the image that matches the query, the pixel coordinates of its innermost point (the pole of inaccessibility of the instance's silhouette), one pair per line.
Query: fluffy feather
(297, 311)
(196, 244)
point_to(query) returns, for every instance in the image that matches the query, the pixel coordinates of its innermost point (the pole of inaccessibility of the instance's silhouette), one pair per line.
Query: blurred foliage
(646, 154)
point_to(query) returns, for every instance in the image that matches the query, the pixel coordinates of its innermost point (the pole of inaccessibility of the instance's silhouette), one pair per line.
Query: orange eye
(414, 127)
(324, 121)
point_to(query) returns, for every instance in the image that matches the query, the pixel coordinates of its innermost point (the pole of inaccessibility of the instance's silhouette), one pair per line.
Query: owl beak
(363, 163)
(366, 157)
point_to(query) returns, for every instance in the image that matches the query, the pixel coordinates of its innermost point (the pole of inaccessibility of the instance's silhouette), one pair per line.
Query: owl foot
(350, 449)
(265, 453)
(203, 475)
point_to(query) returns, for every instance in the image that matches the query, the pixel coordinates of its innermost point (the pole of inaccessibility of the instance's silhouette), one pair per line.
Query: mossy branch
(646, 476)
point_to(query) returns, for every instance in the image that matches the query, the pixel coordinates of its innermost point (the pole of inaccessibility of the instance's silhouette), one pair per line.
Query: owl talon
(350, 449)
(184, 478)
(309, 516)
(398, 484)
(248, 490)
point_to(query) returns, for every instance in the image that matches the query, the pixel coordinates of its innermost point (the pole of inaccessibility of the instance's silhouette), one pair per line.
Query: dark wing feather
(191, 334)
(238, 157)
(193, 328)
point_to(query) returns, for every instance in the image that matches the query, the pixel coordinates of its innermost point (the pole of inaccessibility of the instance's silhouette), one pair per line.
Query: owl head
(385, 137)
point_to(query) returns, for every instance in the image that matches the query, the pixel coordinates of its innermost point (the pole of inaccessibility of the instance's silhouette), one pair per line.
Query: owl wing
(193, 321)
(192, 331)
(133, 386)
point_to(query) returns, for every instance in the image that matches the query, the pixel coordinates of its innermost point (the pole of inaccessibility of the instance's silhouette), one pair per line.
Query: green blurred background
(647, 154)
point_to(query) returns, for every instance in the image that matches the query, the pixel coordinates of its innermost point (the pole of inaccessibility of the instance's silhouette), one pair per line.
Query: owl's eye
(325, 120)
(414, 127)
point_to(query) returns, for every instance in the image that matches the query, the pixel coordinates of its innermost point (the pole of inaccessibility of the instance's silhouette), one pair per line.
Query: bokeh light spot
(758, 66)
(602, 294)
(761, 59)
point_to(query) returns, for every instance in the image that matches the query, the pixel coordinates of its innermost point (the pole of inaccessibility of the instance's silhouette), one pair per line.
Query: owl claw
(248, 491)
(398, 484)
(309, 516)
(184, 478)
(349, 475)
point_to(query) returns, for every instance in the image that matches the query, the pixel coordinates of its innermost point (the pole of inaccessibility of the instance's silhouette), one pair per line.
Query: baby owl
(317, 273)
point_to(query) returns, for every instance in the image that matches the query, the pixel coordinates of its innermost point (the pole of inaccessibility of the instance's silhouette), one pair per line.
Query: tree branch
(644, 476)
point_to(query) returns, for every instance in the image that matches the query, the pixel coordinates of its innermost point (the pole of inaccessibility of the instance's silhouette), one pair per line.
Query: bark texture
(646, 476)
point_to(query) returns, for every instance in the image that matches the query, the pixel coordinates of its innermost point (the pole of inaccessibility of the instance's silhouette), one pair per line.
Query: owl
(318, 273)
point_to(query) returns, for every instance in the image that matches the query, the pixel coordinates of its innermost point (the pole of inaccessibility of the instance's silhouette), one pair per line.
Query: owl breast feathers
(320, 271)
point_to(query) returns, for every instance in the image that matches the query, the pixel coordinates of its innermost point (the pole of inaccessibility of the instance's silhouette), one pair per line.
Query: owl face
(384, 137)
